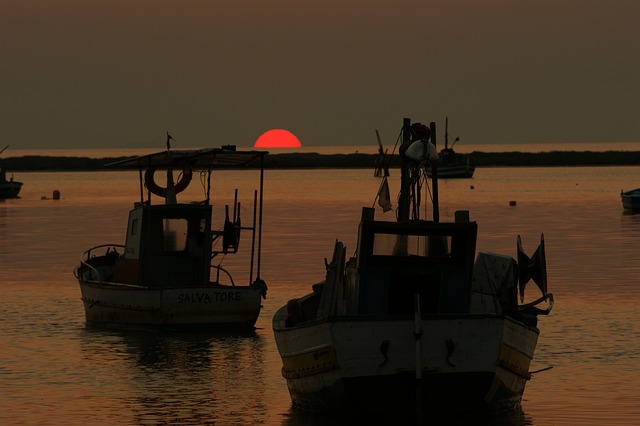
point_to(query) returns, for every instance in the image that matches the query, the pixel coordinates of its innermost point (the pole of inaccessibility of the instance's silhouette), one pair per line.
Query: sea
(56, 370)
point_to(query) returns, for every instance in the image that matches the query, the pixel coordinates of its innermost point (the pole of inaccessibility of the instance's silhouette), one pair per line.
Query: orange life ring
(152, 186)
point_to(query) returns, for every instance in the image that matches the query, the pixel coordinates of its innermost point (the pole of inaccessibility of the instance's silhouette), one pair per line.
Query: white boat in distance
(452, 164)
(410, 323)
(161, 278)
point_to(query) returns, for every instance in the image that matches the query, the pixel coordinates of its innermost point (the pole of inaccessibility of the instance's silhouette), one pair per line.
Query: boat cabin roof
(452, 242)
(197, 158)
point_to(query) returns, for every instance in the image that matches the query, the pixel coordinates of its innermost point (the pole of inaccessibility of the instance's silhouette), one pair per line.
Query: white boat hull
(199, 308)
(454, 171)
(466, 361)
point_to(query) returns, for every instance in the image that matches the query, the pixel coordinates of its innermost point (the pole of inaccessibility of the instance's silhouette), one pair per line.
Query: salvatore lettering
(217, 296)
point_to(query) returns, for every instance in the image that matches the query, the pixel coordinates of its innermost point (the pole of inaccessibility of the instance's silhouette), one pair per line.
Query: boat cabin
(398, 260)
(171, 244)
(166, 246)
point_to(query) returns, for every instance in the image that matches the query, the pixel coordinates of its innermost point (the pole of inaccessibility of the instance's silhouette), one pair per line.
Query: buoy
(56, 194)
(512, 203)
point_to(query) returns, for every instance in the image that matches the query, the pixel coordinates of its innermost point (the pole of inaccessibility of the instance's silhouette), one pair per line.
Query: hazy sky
(121, 73)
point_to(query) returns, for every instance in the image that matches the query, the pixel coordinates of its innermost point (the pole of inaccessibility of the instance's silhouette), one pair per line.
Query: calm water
(55, 370)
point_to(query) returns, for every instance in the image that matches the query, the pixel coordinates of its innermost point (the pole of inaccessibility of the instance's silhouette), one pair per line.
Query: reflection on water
(181, 378)
(55, 370)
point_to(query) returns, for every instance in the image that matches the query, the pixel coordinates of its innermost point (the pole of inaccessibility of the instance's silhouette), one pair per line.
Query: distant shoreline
(350, 161)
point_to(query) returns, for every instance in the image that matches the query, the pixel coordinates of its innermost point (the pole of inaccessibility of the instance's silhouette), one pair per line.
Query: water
(55, 370)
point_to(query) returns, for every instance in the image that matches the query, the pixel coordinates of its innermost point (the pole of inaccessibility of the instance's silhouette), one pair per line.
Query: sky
(122, 73)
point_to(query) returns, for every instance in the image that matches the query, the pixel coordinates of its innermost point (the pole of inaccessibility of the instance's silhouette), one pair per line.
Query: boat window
(411, 245)
(175, 234)
(134, 227)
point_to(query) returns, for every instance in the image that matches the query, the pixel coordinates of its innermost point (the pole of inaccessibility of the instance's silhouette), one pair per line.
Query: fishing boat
(412, 322)
(631, 200)
(170, 273)
(452, 164)
(8, 188)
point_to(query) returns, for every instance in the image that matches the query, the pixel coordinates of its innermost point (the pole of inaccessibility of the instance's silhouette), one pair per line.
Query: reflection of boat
(452, 164)
(411, 317)
(631, 199)
(8, 188)
(162, 278)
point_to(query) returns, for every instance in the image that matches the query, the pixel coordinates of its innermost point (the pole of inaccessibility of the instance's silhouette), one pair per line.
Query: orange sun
(277, 138)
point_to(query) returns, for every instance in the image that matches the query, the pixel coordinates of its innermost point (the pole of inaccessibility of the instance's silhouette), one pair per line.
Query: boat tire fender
(156, 189)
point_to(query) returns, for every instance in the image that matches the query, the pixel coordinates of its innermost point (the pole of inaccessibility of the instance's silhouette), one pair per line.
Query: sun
(277, 138)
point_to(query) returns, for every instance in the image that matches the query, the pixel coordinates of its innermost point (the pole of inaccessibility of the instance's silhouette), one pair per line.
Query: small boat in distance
(452, 164)
(161, 278)
(631, 200)
(411, 323)
(8, 188)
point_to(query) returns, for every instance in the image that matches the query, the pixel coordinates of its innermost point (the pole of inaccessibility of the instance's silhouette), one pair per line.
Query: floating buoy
(56, 194)
(512, 203)
(472, 187)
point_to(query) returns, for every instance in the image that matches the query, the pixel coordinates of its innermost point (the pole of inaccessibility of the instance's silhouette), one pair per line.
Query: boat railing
(532, 308)
(219, 269)
(87, 255)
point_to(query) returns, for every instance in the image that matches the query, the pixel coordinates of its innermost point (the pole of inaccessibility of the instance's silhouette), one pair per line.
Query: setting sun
(277, 138)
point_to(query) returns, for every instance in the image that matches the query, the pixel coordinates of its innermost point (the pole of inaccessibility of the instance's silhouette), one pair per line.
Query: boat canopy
(196, 158)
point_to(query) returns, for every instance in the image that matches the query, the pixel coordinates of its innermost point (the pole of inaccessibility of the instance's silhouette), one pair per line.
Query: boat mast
(434, 173)
(404, 202)
(446, 132)
(405, 179)
(260, 216)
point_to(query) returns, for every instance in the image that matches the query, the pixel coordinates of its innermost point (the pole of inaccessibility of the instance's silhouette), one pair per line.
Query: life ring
(152, 186)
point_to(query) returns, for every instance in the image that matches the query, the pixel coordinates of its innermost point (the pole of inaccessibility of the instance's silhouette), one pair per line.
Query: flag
(384, 199)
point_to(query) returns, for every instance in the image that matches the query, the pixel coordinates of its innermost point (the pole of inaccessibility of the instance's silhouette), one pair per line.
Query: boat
(8, 188)
(631, 199)
(411, 322)
(170, 273)
(453, 164)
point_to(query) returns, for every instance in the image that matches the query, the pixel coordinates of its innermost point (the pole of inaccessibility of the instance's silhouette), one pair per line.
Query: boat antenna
(169, 139)
(446, 133)
(454, 141)
(434, 176)
(8, 147)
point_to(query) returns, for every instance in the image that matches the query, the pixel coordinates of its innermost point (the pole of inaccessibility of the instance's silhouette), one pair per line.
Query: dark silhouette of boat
(169, 274)
(415, 321)
(631, 200)
(9, 188)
